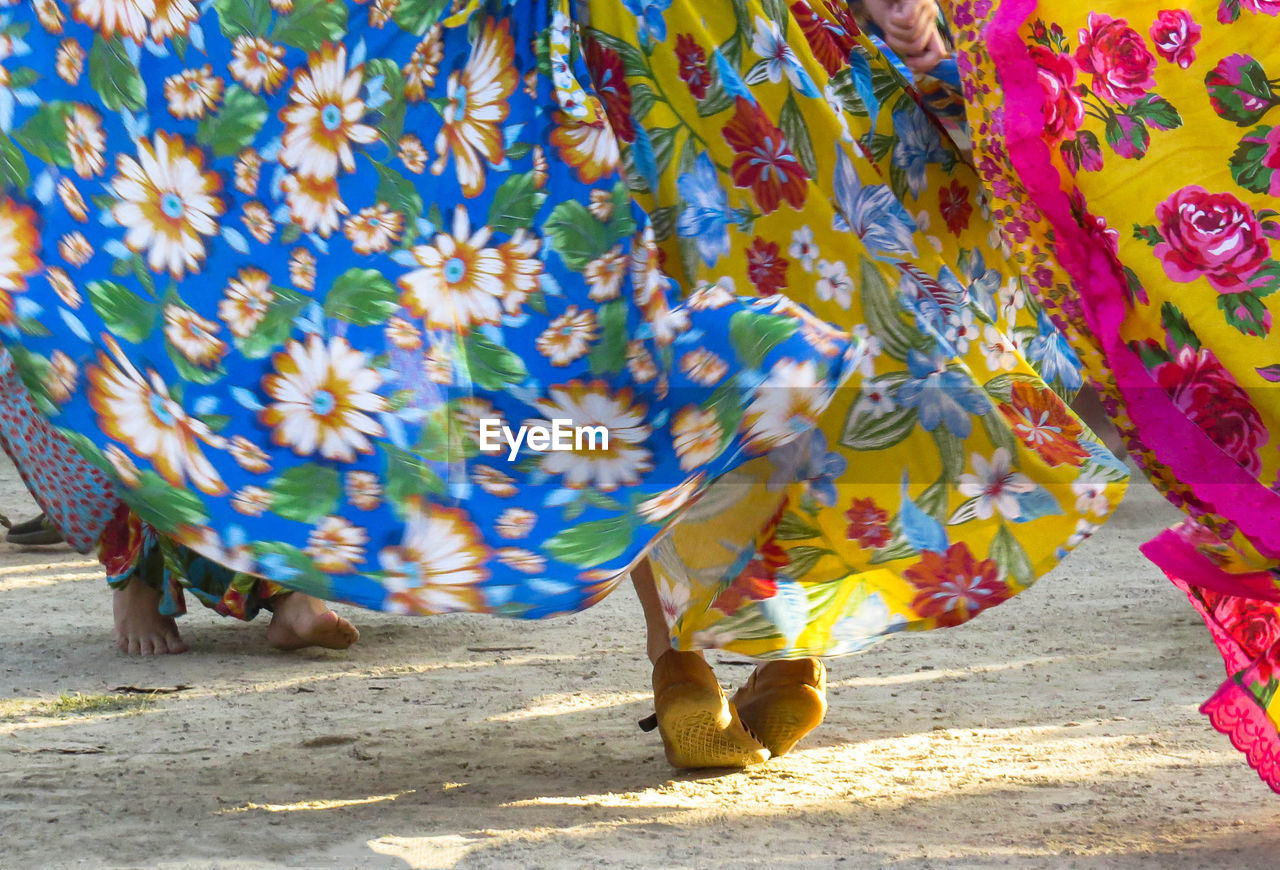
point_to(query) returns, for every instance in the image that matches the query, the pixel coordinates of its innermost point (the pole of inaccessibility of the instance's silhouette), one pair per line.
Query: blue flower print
(919, 145)
(706, 214)
(871, 212)
(1053, 357)
(941, 396)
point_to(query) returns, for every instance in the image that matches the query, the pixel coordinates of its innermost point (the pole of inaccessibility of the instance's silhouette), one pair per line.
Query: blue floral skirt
(433, 309)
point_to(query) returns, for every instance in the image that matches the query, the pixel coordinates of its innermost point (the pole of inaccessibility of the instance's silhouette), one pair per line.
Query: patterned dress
(275, 267)
(85, 506)
(76, 497)
(1136, 143)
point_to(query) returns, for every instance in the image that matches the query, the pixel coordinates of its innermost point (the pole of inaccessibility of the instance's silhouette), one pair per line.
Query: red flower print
(953, 201)
(122, 542)
(1064, 110)
(1265, 7)
(693, 65)
(1210, 397)
(766, 268)
(1263, 670)
(770, 550)
(609, 76)
(764, 163)
(758, 581)
(773, 556)
(1213, 235)
(1044, 424)
(1106, 237)
(1175, 34)
(830, 42)
(868, 524)
(755, 583)
(1117, 57)
(953, 587)
(233, 603)
(841, 21)
(1252, 624)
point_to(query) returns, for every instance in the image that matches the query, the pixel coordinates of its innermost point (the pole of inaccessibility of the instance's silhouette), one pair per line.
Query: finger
(911, 47)
(931, 40)
(914, 33)
(925, 61)
(934, 50)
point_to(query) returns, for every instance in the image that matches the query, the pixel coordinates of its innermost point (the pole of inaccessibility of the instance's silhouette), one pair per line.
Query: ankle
(657, 646)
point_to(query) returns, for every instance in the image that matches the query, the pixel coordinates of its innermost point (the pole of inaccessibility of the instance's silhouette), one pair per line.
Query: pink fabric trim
(1178, 443)
(1238, 716)
(1232, 710)
(1178, 558)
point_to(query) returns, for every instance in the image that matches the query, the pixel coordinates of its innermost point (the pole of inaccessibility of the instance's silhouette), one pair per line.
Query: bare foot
(140, 629)
(301, 621)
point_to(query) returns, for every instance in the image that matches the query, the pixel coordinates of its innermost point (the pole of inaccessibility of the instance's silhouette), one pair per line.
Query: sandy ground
(1058, 731)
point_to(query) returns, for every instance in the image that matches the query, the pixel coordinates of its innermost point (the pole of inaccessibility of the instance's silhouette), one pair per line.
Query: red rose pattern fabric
(1139, 145)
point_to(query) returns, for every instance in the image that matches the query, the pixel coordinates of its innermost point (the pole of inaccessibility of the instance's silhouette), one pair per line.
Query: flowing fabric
(1135, 142)
(82, 503)
(77, 498)
(920, 485)
(270, 266)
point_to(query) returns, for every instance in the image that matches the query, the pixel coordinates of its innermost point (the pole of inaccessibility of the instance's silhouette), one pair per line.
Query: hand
(911, 31)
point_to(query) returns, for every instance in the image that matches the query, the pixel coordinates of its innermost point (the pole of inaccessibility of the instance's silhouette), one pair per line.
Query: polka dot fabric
(77, 498)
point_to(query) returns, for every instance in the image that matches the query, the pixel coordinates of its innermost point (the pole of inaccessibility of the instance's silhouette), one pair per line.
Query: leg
(140, 630)
(657, 633)
(300, 621)
(782, 702)
(699, 727)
